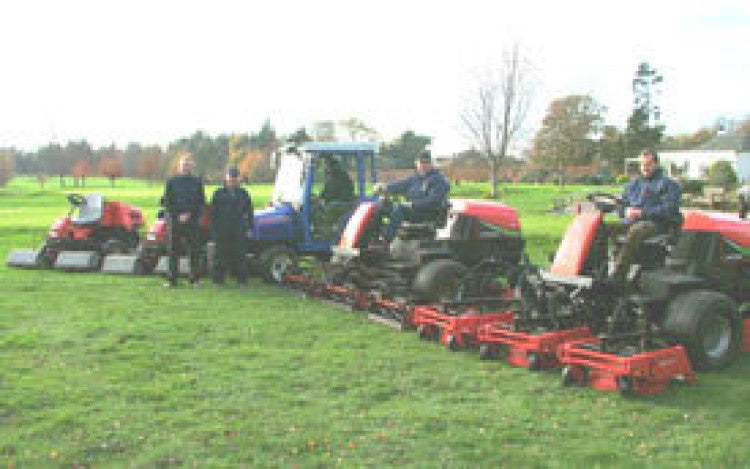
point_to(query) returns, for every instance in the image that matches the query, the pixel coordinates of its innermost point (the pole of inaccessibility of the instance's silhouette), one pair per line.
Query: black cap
(425, 156)
(233, 171)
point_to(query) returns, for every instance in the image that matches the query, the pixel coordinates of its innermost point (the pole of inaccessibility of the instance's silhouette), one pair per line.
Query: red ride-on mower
(458, 256)
(93, 228)
(680, 300)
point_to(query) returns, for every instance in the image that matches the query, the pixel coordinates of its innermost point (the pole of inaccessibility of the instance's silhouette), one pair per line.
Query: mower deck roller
(24, 258)
(120, 264)
(77, 261)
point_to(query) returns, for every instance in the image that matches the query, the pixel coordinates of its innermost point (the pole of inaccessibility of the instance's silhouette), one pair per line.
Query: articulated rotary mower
(464, 260)
(679, 308)
(93, 228)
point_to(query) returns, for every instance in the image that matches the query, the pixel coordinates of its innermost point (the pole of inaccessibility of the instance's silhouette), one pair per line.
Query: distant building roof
(739, 142)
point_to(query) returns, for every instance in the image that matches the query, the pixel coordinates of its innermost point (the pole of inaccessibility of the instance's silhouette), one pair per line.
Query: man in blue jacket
(426, 195)
(651, 205)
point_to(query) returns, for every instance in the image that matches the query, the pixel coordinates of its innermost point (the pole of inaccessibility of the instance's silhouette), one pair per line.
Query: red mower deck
(644, 373)
(524, 349)
(746, 335)
(456, 331)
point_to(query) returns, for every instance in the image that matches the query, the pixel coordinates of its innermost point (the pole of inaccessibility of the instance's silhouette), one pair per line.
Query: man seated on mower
(337, 185)
(426, 195)
(650, 206)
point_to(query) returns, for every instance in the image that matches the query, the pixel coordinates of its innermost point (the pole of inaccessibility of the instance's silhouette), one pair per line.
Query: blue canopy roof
(341, 147)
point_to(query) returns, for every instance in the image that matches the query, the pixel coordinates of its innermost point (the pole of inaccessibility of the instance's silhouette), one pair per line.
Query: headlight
(151, 237)
(52, 234)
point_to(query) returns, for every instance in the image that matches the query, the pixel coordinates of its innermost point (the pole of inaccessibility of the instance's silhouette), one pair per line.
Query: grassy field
(116, 371)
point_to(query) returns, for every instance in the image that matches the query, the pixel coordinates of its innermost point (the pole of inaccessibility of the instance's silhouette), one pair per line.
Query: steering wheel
(605, 202)
(76, 199)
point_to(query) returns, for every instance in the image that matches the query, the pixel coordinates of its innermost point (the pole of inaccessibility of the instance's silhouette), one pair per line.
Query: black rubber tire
(423, 332)
(708, 324)
(487, 352)
(567, 378)
(453, 343)
(438, 280)
(46, 258)
(625, 386)
(535, 362)
(115, 246)
(271, 260)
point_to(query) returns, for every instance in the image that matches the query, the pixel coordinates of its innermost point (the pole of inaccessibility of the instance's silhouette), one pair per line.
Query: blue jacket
(426, 193)
(658, 197)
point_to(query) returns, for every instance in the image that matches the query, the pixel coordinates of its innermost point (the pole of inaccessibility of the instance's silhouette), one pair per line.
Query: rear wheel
(440, 281)
(47, 257)
(487, 352)
(275, 261)
(708, 324)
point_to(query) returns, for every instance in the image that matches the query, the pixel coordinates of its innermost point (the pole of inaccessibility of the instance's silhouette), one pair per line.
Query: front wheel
(276, 261)
(708, 324)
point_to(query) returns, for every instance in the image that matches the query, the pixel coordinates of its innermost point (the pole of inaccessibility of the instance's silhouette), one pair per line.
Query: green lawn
(102, 370)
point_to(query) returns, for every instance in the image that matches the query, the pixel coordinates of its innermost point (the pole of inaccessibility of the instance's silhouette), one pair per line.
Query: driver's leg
(637, 233)
(398, 212)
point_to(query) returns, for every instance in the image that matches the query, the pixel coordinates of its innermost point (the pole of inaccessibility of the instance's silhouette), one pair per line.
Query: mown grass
(101, 370)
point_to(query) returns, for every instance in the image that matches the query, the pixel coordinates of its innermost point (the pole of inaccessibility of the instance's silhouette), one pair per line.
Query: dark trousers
(230, 257)
(637, 233)
(183, 234)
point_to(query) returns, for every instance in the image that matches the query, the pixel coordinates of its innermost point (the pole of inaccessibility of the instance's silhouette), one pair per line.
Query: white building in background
(693, 164)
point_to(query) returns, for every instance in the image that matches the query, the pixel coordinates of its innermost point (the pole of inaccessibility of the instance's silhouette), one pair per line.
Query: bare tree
(494, 119)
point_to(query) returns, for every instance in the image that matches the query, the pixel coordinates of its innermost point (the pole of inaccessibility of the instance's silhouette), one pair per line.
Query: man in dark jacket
(231, 220)
(651, 205)
(337, 185)
(426, 195)
(184, 199)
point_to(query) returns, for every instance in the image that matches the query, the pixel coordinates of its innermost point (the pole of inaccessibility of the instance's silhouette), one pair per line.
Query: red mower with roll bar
(456, 257)
(93, 228)
(678, 309)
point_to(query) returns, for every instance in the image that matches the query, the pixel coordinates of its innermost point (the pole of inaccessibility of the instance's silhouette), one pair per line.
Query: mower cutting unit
(642, 373)
(78, 243)
(457, 325)
(531, 339)
(676, 311)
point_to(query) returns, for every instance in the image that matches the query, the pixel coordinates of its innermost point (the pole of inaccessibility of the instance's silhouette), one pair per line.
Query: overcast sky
(152, 71)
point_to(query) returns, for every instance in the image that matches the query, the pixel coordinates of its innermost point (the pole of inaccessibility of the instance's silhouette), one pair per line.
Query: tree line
(573, 132)
(71, 163)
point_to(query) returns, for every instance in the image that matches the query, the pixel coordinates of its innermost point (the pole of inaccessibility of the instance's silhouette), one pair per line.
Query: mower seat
(426, 226)
(90, 212)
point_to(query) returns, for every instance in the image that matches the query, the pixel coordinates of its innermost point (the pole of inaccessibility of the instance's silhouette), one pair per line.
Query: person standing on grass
(184, 199)
(231, 219)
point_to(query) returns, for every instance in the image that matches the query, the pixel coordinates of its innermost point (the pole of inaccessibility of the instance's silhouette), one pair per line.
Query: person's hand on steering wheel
(604, 201)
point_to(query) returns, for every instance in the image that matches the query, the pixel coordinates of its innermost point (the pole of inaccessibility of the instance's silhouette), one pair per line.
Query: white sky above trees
(153, 71)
